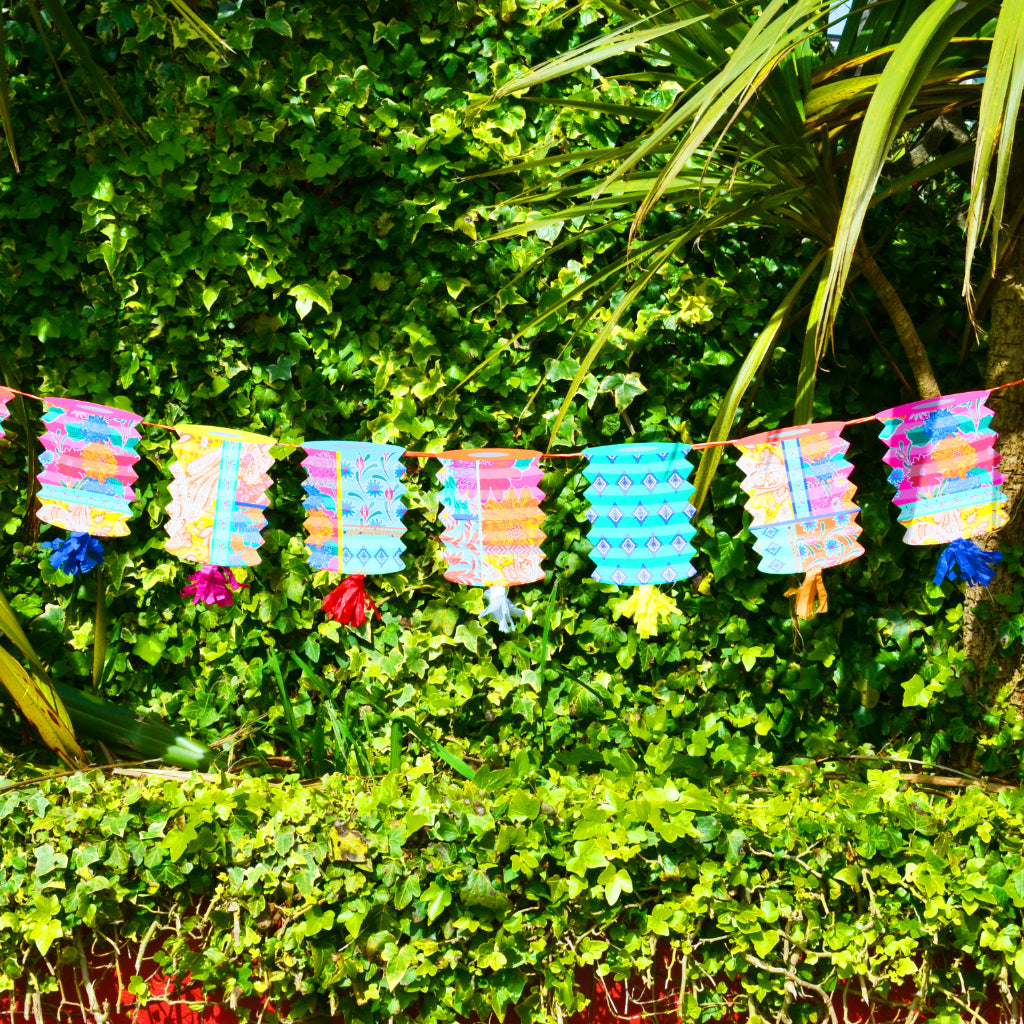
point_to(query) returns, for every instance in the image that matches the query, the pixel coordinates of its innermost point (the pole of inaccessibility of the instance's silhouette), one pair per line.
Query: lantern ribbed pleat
(218, 495)
(640, 512)
(353, 505)
(943, 455)
(5, 396)
(801, 498)
(88, 459)
(491, 513)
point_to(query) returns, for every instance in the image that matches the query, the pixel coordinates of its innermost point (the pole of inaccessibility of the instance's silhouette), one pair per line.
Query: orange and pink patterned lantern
(948, 488)
(491, 513)
(218, 496)
(801, 504)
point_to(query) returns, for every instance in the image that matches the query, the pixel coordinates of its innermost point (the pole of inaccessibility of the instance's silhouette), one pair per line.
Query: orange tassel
(811, 597)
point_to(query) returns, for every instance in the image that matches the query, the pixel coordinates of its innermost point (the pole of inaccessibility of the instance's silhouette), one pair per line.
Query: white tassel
(501, 609)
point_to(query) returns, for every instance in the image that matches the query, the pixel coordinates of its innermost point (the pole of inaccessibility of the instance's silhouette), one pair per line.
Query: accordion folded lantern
(353, 518)
(801, 504)
(88, 464)
(491, 513)
(640, 527)
(640, 512)
(218, 495)
(6, 394)
(948, 488)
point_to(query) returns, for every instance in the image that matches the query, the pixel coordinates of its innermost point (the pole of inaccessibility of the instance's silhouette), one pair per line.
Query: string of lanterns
(801, 502)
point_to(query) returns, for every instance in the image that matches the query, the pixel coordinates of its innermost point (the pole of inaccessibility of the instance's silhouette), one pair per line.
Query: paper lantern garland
(639, 515)
(941, 452)
(948, 488)
(218, 495)
(354, 518)
(491, 513)
(801, 504)
(6, 394)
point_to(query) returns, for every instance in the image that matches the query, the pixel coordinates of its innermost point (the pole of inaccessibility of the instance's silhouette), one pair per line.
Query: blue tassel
(78, 554)
(963, 559)
(501, 609)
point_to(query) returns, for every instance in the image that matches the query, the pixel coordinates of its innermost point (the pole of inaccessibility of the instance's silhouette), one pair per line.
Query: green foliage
(439, 898)
(289, 245)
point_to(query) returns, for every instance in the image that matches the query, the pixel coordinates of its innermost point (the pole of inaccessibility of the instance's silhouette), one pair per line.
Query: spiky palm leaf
(772, 125)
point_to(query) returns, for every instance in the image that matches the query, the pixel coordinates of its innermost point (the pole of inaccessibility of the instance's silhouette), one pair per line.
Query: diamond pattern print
(645, 539)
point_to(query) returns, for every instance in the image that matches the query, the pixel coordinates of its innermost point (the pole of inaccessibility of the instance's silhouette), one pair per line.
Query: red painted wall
(619, 1003)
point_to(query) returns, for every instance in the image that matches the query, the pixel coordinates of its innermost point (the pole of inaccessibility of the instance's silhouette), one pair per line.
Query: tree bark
(913, 347)
(996, 664)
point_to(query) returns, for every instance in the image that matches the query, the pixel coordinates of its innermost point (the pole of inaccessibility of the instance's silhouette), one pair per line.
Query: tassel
(348, 603)
(648, 606)
(75, 555)
(213, 584)
(963, 559)
(501, 609)
(811, 597)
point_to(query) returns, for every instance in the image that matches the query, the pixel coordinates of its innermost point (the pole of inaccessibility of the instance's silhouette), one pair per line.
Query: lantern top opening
(222, 434)
(788, 433)
(665, 450)
(89, 408)
(482, 454)
(341, 446)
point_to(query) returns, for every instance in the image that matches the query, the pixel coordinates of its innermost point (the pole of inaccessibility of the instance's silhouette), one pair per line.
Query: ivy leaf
(478, 891)
(45, 933)
(588, 855)
(398, 965)
(1014, 886)
(306, 295)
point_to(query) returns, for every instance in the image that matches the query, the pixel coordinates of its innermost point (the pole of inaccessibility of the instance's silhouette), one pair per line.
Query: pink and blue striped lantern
(640, 513)
(354, 506)
(6, 394)
(88, 464)
(948, 488)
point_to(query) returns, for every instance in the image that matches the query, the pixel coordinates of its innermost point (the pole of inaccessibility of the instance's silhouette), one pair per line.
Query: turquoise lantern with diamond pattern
(640, 513)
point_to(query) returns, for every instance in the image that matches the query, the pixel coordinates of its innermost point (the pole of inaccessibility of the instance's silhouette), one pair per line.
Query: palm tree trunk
(913, 347)
(996, 664)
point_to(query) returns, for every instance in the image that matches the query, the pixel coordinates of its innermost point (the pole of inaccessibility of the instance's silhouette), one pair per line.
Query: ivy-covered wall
(417, 896)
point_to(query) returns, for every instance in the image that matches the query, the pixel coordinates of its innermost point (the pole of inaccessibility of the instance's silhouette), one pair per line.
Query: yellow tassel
(647, 605)
(811, 597)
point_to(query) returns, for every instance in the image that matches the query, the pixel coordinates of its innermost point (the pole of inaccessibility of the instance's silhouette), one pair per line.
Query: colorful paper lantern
(88, 464)
(948, 488)
(354, 508)
(801, 504)
(492, 518)
(354, 518)
(218, 496)
(6, 394)
(640, 527)
(640, 513)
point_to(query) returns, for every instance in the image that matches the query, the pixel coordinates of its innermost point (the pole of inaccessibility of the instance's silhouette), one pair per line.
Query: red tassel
(348, 602)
